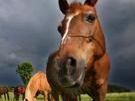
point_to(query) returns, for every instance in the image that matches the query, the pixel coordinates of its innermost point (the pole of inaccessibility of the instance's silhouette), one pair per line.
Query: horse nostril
(69, 67)
(71, 62)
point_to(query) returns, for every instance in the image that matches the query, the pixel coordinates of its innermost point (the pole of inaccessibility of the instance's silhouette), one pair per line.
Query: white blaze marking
(69, 18)
(67, 27)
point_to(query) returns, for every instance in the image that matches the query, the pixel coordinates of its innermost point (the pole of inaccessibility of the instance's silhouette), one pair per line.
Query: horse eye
(89, 40)
(90, 18)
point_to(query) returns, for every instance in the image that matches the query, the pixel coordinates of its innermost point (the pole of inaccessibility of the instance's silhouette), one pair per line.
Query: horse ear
(64, 6)
(91, 2)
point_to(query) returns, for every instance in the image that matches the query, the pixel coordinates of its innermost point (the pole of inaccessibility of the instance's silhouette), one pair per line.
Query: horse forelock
(75, 9)
(69, 19)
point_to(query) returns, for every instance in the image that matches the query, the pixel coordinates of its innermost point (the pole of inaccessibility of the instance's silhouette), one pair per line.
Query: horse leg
(17, 97)
(0, 96)
(69, 97)
(79, 97)
(54, 96)
(5, 96)
(49, 97)
(73, 98)
(64, 97)
(23, 95)
(45, 96)
(99, 94)
(8, 96)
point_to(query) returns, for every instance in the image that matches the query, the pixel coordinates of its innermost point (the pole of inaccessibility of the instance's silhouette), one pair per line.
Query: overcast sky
(28, 32)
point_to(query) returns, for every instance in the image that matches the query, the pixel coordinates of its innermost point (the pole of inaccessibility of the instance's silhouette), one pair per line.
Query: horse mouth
(74, 84)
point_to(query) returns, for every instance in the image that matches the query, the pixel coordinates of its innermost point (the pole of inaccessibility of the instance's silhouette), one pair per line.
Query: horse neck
(99, 35)
(29, 95)
(30, 91)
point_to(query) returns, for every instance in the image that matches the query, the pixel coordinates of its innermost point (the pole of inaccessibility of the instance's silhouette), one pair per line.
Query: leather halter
(90, 36)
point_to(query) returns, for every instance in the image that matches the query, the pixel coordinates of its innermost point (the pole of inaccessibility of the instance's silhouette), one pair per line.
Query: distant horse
(81, 63)
(4, 91)
(38, 82)
(19, 90)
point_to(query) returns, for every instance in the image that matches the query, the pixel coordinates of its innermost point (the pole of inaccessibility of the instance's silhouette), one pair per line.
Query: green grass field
(109, 97)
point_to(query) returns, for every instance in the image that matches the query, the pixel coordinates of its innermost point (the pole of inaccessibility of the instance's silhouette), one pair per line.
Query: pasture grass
(121, 96)
(109, 97)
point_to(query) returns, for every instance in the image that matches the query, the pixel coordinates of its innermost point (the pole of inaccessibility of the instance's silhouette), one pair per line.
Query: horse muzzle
(71, 72)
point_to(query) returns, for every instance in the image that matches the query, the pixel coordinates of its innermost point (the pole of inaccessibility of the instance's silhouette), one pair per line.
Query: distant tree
(25, 71)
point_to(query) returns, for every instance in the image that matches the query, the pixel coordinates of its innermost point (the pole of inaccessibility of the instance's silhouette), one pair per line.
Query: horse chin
(73, 85)
(71, 77)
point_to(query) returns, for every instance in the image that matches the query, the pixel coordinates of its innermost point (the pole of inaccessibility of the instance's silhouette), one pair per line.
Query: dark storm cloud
(28, 31)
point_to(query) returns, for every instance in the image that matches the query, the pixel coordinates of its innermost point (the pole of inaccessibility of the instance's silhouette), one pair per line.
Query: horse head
(81, 45)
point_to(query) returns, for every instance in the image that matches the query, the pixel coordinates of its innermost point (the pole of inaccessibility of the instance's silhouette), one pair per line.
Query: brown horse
(81, 64)
(4, 91)
(19, 90)
(38, 82)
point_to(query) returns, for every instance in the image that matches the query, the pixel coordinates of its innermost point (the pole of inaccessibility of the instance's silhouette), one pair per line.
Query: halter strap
(91, 36)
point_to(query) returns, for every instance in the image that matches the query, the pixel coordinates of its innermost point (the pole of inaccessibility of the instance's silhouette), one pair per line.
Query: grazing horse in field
(4, 91)
(81, 64)
(19, 90)
(38, 82)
